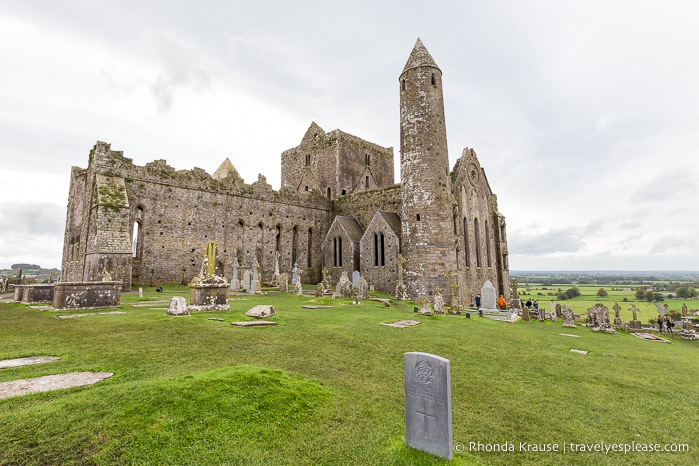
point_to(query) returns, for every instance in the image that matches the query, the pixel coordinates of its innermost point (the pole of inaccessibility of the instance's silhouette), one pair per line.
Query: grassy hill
(325, 386)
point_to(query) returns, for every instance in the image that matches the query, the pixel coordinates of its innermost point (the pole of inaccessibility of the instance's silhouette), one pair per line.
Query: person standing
(669, 323)
(660, 323)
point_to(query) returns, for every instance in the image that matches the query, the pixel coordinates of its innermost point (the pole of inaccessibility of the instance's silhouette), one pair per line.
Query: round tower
(427, 224)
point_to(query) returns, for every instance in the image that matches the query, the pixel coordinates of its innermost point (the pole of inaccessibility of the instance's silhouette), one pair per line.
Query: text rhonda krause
(573, 447)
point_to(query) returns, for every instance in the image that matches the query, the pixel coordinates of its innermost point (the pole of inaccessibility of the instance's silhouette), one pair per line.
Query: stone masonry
(338, 208)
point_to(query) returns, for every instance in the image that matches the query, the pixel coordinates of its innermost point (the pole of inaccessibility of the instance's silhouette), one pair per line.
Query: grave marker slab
(488, 297)
(427, 385)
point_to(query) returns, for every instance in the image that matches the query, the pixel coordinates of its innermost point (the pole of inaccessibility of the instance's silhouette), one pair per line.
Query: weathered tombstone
(488, 296)
(568, 319)
(246, 280)
(18, 276)
(355, 279)
(235, 283)
(362, 289)
(559, 310)
(283, 283)
(255, 270)
(427, 385)
(319, 290)
(635, 324)
(298, 290)
(345, 285)
(261, 311)
(617, 316)
(684, 309)
(178, 306)
(438, 302)
(401, 289)
(425, 306)
(295, 273)
(140, 292)
(275, 277)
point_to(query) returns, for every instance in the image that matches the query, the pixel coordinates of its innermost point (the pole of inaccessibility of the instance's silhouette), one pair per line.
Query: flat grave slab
(403, 323)
(75, 316)
(51, 382)
(579, 351)
(253, 323)
(569, 335)
(651, 337)
(18, 362)
(317, 307)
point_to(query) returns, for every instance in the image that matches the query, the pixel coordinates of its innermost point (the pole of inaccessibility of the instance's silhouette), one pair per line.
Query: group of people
(665, 322)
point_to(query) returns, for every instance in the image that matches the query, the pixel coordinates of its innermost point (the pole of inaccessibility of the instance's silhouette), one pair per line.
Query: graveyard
(326, 385)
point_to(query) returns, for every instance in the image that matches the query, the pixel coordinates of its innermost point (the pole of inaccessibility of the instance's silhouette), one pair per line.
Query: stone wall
(336, 164)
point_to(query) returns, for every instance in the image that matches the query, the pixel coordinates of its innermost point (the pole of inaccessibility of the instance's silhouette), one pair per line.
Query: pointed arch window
(477, 240)
(309, 254)
(488, 255)
(467, 251)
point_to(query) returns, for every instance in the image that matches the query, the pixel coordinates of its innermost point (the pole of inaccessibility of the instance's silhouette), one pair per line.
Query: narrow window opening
(466, 247)
(477, 239)
(344, 192)
(383, 251)
(367, 160)
(376, 250)
(308, 160)
(309, 254)
(328, 192)
(402, 85)
(339, 251)
(335, 251)
(294, 245)
(366, 182)
(306, 188)
(487, 244)
(417, 217)
(433, 80)
(134, 239)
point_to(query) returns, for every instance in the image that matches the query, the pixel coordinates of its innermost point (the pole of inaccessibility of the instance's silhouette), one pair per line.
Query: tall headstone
(355, 279)
(488, 296)
(235, 283)
(140, 292)
(568, 317)
(246, 280)
(275, 277)
(427, 385)
(295, 273)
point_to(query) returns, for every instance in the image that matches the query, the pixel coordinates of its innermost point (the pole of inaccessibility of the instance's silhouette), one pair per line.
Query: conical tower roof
(419, 57)
(224, 170)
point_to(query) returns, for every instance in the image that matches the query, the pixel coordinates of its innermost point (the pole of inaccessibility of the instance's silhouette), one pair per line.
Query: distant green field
(325, 386)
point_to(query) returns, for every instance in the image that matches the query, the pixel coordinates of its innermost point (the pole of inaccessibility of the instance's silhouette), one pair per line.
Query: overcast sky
(584, 114)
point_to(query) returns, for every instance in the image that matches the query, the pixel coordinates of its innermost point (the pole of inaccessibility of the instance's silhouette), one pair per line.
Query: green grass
(325, 386)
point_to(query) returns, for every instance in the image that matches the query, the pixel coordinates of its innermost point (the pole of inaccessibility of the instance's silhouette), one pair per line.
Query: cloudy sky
(585, 115)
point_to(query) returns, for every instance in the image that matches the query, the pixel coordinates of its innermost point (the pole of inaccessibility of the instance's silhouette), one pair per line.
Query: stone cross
(633, 311)
(427, 386)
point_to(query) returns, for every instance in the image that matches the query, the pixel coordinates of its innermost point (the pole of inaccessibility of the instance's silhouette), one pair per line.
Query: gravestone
(438, 302)
(295, 273)
(427, 385)
(319, 290)
(684, 310)
(298, 290)
(235, 283)
(261, 311)
(178, 307)
(425, 306)
(362, 289)
(488, 296)
(284, 283)
(140, 293)
(635, 324)
(275, 277)
(355, 279)
(246, 280)
(617, 316)
(568, 318)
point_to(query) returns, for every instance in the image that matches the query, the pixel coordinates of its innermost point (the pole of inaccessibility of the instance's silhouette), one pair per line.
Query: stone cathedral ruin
(338, 209)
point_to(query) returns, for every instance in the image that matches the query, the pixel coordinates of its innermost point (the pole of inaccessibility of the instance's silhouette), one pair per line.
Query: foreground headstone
(427, 384)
